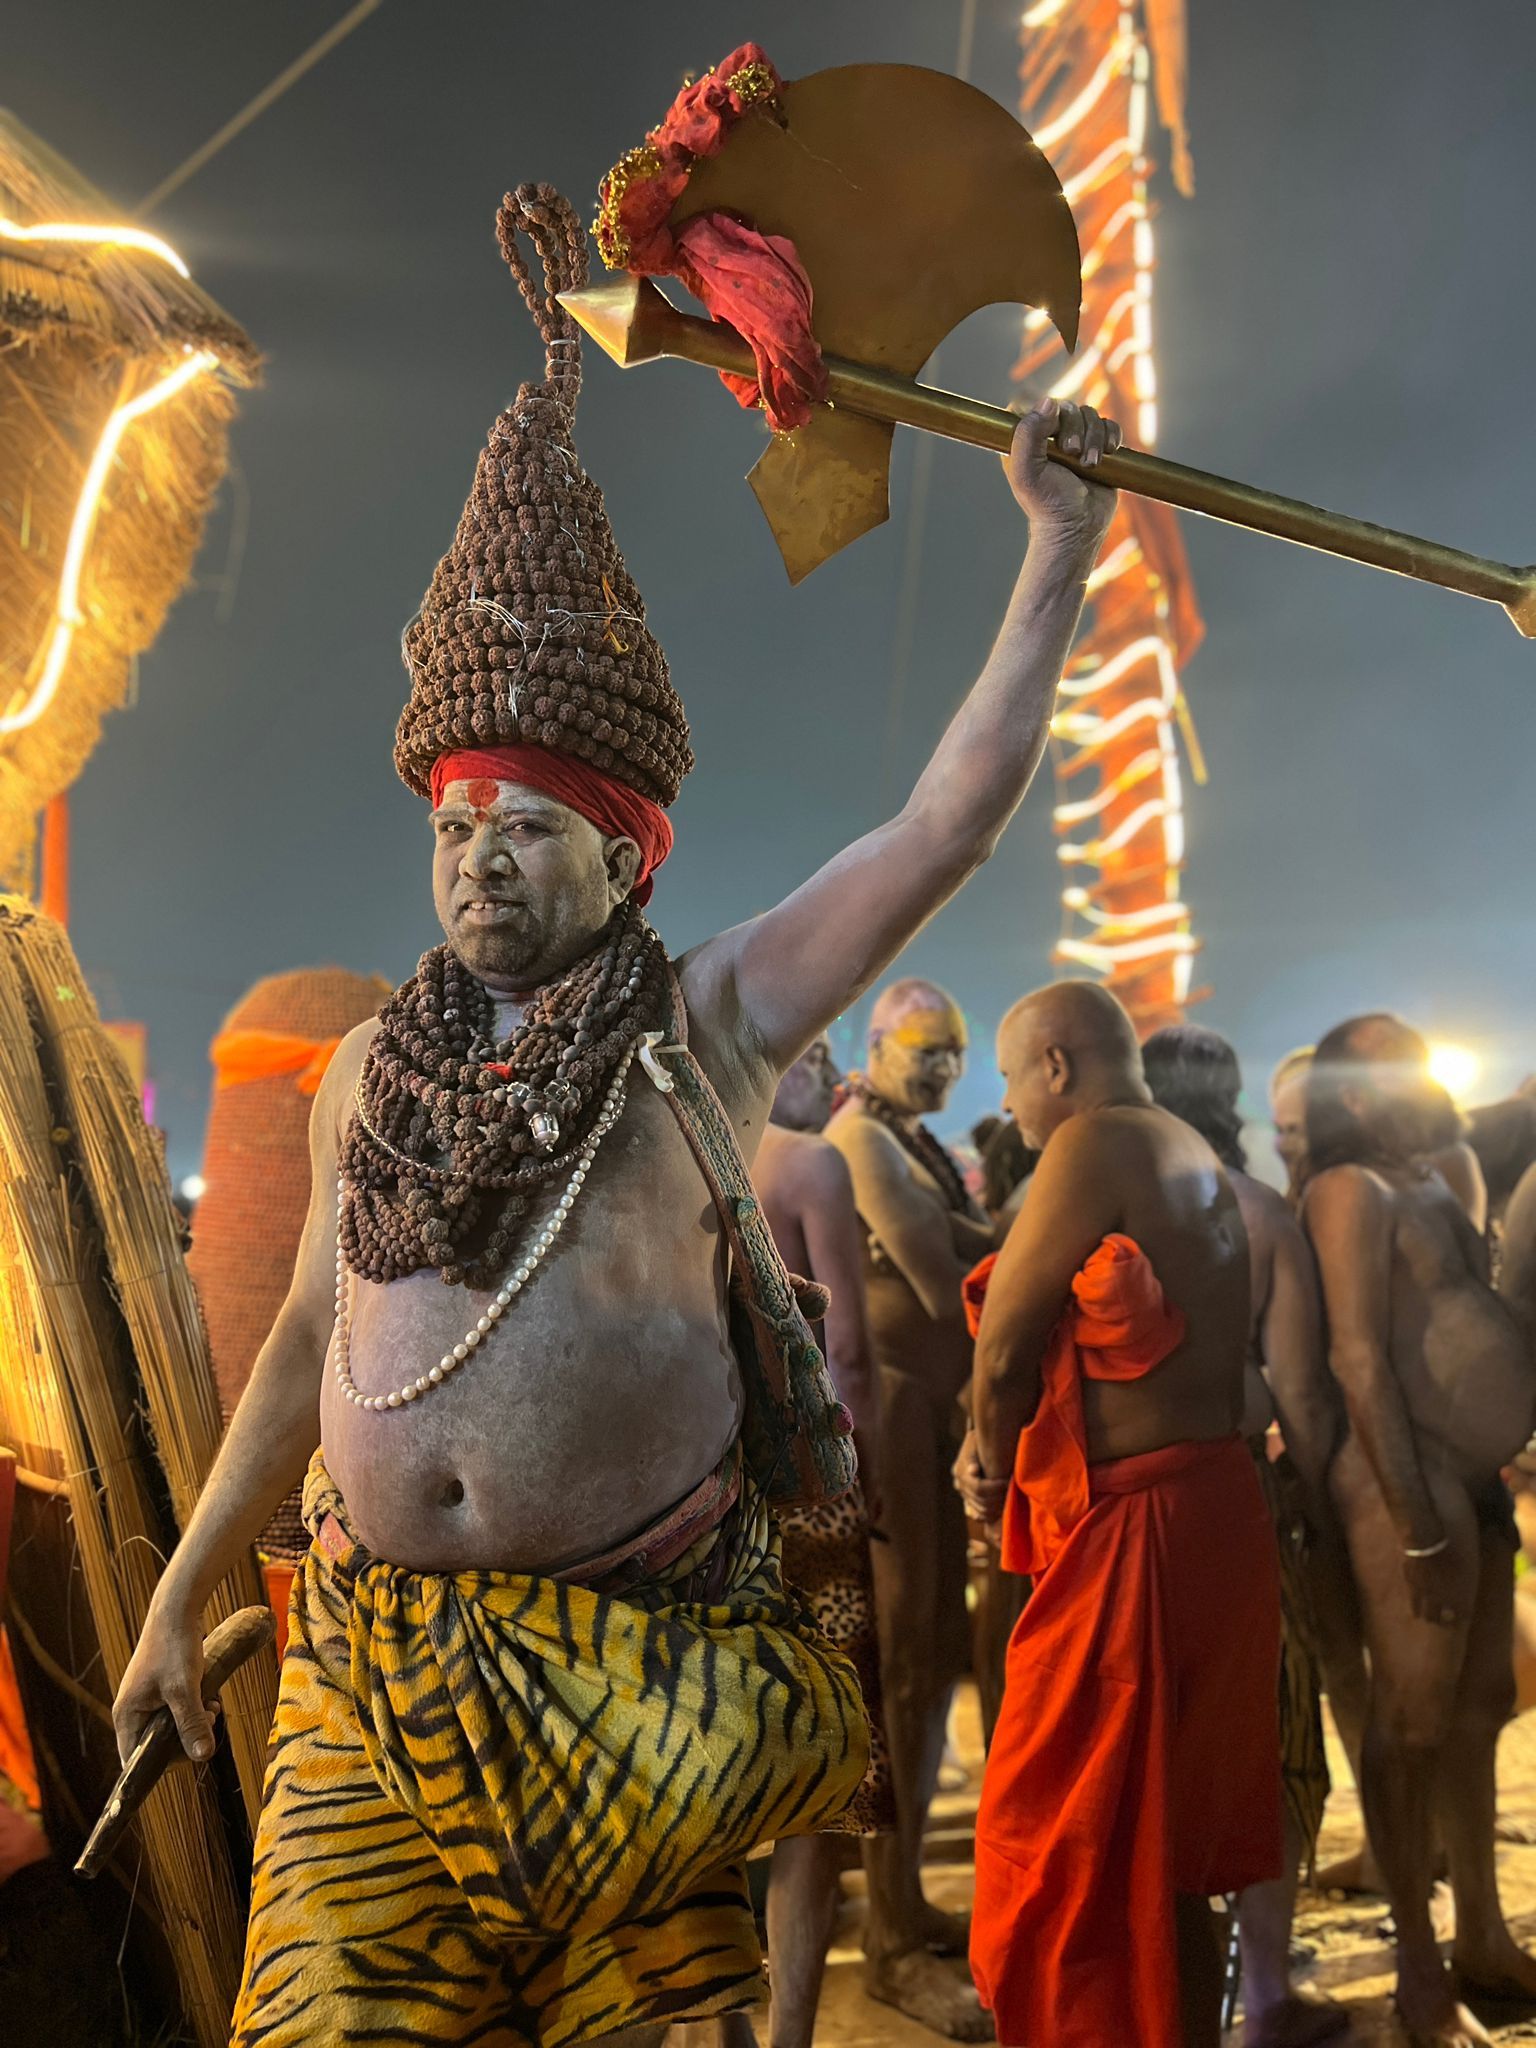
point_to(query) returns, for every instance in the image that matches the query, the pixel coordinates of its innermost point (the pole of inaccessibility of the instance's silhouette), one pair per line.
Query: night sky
(1345, 311)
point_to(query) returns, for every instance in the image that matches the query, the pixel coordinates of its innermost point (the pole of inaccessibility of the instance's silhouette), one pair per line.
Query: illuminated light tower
(1090, 72)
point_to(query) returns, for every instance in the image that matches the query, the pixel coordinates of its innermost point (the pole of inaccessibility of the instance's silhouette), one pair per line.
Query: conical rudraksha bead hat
(532, 631)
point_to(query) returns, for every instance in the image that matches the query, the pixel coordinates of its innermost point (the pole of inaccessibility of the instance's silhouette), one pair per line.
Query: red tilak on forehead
(482, 794)
(616, 811)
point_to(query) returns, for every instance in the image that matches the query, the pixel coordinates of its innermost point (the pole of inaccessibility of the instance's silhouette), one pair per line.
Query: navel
(453, 1494)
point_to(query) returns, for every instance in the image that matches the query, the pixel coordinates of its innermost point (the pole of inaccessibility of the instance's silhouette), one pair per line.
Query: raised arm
(1068, 1211)
(1348, 1218)
(909, 1220)
(796, 968)
(270, 1438)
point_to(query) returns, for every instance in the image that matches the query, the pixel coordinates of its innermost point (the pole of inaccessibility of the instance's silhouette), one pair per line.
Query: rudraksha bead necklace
(533, 1257)
(455, 1133)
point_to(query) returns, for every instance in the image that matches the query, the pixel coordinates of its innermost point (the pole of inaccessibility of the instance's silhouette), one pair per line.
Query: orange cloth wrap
(1137, 1750)
(1118, 1327)
(240, 1056)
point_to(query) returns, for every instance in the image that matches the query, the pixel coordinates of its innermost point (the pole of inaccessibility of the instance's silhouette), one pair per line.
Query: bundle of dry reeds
(125, 1179)
(86, 327)
(113, 1340)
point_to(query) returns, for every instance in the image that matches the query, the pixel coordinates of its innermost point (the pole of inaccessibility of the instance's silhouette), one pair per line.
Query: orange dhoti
(1137, 1752)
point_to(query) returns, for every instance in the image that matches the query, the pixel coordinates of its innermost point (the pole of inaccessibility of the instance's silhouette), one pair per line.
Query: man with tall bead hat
(544, 1688)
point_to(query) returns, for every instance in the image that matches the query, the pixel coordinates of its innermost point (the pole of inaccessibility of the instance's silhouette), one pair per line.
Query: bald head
(1066, 1048)
(1080, 1016)
(917, 1043)
(903, 1001)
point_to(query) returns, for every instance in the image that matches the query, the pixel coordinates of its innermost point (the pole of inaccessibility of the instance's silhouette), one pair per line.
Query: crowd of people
(1342, 1345)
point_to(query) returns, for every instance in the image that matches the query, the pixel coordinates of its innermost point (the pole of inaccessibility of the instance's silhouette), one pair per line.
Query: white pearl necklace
(496, 1308)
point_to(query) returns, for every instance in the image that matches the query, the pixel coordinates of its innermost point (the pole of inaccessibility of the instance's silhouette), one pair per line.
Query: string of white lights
(1145, 764)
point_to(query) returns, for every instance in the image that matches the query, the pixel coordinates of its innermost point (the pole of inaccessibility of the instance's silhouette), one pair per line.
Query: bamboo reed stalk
(67, 1397)
(125, 1176)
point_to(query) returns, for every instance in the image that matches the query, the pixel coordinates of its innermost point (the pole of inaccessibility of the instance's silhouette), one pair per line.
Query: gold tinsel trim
(635, 165)
(752, 84)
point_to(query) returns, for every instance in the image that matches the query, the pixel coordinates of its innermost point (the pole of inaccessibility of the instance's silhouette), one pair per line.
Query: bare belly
(604, 1395)
(1467, 1375)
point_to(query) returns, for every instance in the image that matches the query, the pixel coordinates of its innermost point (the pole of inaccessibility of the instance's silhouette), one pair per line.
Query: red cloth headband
(616, 811)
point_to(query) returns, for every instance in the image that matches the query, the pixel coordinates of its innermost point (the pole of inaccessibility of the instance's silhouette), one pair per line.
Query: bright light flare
(67, 613)
(194, 1187)
(1455, 1067)
(102, 237)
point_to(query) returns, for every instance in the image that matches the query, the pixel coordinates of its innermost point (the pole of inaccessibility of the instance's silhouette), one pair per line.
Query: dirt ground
(1350, 1959)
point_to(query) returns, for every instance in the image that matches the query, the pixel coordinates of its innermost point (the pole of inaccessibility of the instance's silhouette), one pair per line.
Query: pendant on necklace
(544, 1127)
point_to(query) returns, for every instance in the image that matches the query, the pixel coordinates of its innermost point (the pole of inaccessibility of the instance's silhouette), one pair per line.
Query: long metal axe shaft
(635, 323)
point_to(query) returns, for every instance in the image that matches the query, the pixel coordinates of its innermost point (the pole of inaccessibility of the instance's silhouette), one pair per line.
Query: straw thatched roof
(85, 328)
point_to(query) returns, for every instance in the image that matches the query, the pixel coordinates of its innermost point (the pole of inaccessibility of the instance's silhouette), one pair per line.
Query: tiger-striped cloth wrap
(512, 1810)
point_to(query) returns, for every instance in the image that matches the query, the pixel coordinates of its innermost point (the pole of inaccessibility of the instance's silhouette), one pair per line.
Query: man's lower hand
(166, 1670)
(984, 1498)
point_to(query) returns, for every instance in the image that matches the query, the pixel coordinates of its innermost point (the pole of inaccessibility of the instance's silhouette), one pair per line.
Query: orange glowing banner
(1093, 73)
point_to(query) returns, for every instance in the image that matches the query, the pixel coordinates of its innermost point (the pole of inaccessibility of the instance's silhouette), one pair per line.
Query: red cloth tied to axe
(750, 281)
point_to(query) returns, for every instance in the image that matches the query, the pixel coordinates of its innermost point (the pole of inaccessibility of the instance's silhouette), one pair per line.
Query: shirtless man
(1440, 1388)
(1138, 1735)
(1335, 1603)
(485, 1817)
(807, 1197)
(1194, 1074)
(923, 1233)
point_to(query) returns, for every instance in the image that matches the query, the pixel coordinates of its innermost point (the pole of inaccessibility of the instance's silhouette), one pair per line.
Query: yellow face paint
(930, 1030)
